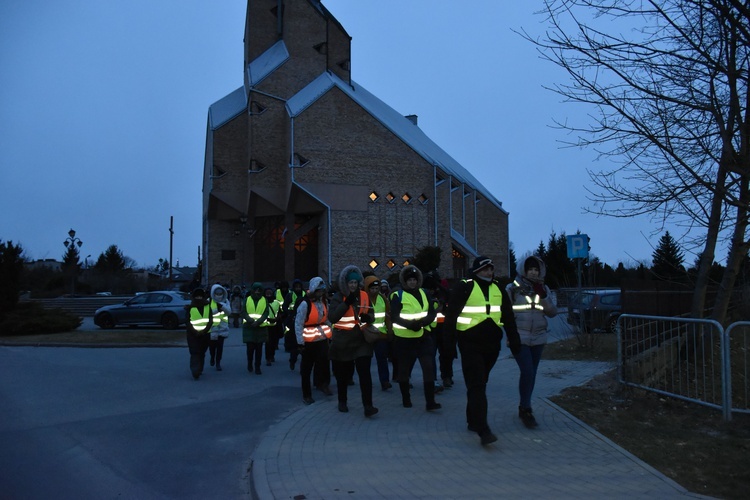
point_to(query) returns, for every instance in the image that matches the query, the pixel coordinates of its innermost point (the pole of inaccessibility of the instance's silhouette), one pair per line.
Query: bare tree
(668, 84)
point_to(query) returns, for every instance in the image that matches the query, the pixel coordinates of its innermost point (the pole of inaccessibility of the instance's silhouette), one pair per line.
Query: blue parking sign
(578, 246)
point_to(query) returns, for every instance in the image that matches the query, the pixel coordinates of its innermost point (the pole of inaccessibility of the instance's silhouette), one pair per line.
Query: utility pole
(171, 239)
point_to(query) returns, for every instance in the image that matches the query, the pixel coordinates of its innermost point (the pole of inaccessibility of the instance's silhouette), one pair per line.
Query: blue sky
(103, 111)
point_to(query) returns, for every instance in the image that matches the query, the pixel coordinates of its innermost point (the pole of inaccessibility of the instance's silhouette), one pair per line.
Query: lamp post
(70, 243)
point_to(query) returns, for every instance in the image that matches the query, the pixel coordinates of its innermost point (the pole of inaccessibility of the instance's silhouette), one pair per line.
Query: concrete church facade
(306, 171)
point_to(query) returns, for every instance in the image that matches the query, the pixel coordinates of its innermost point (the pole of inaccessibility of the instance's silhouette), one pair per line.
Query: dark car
(601, 308)
(151, 308)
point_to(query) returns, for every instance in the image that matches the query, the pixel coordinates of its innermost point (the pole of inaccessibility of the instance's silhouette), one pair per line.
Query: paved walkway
(319, 453)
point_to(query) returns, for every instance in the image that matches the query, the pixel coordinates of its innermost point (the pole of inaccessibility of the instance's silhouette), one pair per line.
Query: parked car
(151, 308)
(601, 308)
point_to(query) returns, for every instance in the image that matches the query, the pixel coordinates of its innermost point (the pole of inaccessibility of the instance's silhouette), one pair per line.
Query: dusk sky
(103, 110)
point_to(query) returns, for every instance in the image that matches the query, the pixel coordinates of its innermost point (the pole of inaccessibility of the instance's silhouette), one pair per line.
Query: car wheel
(105, 321)
(169, 321)
(612, 324)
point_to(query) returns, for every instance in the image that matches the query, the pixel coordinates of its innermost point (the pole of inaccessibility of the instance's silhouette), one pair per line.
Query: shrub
(31, 319)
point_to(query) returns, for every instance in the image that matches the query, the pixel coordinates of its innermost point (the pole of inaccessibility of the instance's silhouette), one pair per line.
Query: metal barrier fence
(691, 359)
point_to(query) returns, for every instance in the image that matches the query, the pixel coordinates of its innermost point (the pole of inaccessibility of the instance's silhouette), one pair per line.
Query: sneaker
(370, 411)
(527, 417)
(406, 403)
(487, 437)
(447, 382)
(433, 406)
(308, 401)
(343, 408)
(386, 385)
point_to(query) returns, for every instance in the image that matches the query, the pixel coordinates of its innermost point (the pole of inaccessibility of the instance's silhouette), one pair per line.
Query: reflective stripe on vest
(531, 302)
(316, 327)
(200, 319)
(348, 321)
(219, 316)
(411, 310)
(273, 309)
(255, 311)
(378, 312)
(478, 308)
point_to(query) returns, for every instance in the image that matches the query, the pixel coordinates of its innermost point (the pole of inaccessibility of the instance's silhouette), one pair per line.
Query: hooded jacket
(531, 311)
(405, 326)
(347, 345)
(220, 325)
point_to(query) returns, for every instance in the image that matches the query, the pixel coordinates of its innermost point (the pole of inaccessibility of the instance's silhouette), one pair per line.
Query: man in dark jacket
(479, 310)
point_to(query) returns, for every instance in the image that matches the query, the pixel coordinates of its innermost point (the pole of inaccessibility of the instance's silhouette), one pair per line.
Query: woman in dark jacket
(350, 311)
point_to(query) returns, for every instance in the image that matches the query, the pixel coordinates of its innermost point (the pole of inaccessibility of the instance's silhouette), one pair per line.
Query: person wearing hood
(350, 311)
(411, 312)
(254, 329)
(479, 311)
(313, 331)
(200, 321)
(532, 306)
(291, 299)
(220, 309)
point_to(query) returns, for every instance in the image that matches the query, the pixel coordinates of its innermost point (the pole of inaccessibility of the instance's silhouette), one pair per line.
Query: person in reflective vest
(291, 299)
(350, 309)
(254, 331)
(220, 308)
(381, 308)
(273, 325)
(411, 312)
(313, 331)
(199, 325)
(532, 305)
(478, 311)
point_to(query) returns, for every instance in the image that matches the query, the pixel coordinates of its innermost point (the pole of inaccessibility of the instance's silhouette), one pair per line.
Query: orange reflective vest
(316, 328)
(349, 321)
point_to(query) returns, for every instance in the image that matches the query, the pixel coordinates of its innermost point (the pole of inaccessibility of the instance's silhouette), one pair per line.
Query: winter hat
(353, 275)
(480, 263)
(256, 286)
(531, 262)
(371, 281)
(317, 283)
(198, 292)
(411, 273)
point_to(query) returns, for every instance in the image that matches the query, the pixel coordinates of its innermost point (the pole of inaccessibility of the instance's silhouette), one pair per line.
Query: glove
(414, 326)
(351, 299)
(366, 318)
(539, 290)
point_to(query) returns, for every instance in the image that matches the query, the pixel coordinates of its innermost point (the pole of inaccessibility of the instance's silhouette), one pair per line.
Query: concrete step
(81, 306)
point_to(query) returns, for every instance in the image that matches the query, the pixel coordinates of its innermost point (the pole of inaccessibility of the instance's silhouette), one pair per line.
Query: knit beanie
(353, 275)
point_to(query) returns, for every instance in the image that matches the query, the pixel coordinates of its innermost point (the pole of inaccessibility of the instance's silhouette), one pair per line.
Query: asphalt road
(132, 423)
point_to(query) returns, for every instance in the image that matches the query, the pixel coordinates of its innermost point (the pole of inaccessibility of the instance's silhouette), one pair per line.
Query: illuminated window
(406, 198)
(373, 264)
(390, 197)
(406, 263)
(422, 199)
(391, 264)
(374, 196)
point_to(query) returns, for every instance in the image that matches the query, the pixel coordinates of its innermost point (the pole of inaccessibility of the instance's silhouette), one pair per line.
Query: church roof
(394, 121)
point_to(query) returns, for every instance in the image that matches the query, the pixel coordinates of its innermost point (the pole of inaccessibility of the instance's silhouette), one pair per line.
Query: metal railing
(689, 359)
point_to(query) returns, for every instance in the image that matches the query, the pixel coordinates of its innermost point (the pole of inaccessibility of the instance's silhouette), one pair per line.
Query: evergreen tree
(111, 261)
(71, 265)
(512, 262)
(427, 258)
(668, 259)
(11, 267)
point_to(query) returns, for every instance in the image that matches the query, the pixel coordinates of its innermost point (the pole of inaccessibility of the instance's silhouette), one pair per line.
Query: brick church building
(306, 171)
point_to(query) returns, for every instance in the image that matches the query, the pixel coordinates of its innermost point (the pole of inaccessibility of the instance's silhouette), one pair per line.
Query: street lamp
(70, 243)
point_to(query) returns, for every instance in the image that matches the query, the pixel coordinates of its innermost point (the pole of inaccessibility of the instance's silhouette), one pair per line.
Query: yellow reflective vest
(255, 311)
(478, 308)
(411, 310)
(199, 319)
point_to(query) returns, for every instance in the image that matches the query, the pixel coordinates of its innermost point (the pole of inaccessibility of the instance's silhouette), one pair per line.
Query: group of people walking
(339, 333)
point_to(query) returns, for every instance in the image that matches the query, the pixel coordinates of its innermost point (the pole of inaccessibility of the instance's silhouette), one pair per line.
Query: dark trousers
(197, 345)
(382, 352)
(216, 349)
(254, 353)
(445, 356)
(274, 335)
(344, 371)
(477, 360)
(315, 358)
(407, 351)
(528, 358)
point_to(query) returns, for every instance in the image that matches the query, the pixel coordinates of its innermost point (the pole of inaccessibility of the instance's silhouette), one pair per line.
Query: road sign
(578, 246)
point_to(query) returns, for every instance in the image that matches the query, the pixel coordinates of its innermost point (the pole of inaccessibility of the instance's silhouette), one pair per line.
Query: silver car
(151, 308)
